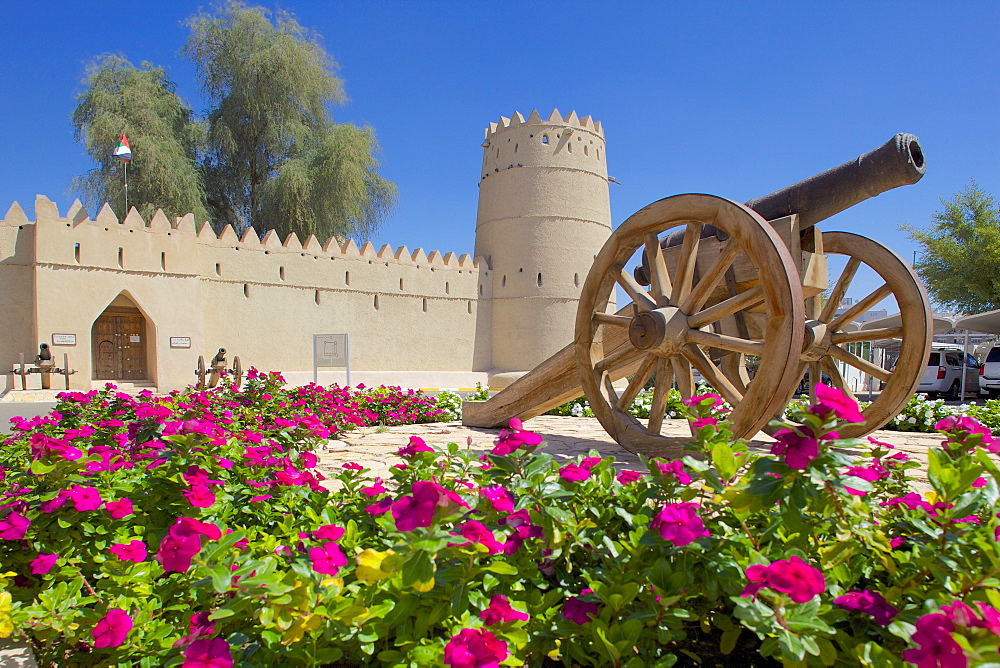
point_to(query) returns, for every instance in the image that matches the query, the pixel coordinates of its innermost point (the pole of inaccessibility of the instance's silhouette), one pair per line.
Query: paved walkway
(566, 437)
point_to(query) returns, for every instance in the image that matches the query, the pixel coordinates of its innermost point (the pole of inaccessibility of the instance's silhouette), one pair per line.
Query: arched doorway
(119, 342)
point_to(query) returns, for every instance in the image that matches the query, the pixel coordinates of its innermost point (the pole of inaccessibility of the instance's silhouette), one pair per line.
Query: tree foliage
(163, 133)
(960, 260)
(276, 159)
(267, 154)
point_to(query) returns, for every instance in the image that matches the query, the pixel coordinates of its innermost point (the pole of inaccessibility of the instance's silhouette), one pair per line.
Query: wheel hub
(663, 330)
(816, 344)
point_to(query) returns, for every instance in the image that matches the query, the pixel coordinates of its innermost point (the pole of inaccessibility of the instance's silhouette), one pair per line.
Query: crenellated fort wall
(415, 318)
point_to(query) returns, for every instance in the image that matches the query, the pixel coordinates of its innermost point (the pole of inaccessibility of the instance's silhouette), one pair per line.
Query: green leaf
(501, 568)
(728, 642)
(38, 467)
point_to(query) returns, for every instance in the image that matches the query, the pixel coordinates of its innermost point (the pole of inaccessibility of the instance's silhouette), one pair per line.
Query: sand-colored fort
(136, 302)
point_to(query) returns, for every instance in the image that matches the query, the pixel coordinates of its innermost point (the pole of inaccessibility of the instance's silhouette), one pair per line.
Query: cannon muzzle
(220, 356)
(898, 162)
(43, 352)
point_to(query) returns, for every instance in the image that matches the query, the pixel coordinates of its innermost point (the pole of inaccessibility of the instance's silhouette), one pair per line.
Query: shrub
(229, 550)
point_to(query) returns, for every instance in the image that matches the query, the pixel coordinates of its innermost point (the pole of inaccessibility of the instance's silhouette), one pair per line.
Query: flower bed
(194, 531)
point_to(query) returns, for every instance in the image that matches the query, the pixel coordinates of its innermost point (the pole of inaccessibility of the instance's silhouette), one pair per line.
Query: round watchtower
(543, 216)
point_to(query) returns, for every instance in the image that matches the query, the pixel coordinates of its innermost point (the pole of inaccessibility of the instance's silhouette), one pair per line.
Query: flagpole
(126, 187)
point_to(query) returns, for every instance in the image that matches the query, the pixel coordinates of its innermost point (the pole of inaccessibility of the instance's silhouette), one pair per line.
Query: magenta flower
(937, 649)
(199, 626)
(417, 510)
(380, 507)
(261, 497)
(119, 509)
(328, 532)
(186, 526)
(375, 489)
(514, 438)
(577, 610)
(327, 558)
(200, 496)
(796, 578)
(964, 426)
(475, 648)
(832, 400)
(43, 563)
(85, 498)
(113, 628)
(675, 469)
(131, 551)
(208, 653)
(756, 580)
(476, 532)
(697, 400)
(799, 449)
(679, 523)
(629, 477)
(869, 602)
(499, 611)
(499, 498)
(353, 466)
(574, 473)
(177, 551)
(416, 445)
(14, 526)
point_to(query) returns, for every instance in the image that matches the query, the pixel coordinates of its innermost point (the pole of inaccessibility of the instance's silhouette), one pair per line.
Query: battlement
(554, 119)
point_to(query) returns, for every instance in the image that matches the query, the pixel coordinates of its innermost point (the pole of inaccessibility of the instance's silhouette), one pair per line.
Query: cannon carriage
(718, 281)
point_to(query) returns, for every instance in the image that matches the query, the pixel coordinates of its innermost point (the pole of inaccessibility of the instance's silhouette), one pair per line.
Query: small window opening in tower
(598, 154)
(400, 284)
(218, 269)
(545, 139)
(376, 302)
(539, 280)
(76, 252)
(347, 278)
(569, 147)
(425, 305)
(281, 273)
(447, 288)
(515, 148)
(246, 290)
(585, 151)
(498, 152)
(576, 280)
(469, 306)
(121, 258)
(163, 261)
(316, 297)
(503, 281)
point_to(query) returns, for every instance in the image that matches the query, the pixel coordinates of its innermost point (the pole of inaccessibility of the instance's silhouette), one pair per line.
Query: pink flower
(475, 648)
(476, 532)
(899, 541)
(700, 423)
(261, 497)
(43, 563)
(499, 498)
(590, 462)
(575, 609)
(697, 400)
(416, 445)
(512, 439)
(185, 526)
(353, 466)
(869, 602)
(937, 649)
(119, 509)
(574, 473)
(679, 523)
(199, 626)
(675, 469)
(14, 526)
(85, 498)
(832, 400)
(629, 477)
(796, 578)
(374, 490)
(328, 532)
(799, 449)
(499, 611)
(177, 551)
(417, 510)
(200, 496)
(380, 507)
(327, 558)
(756, 580)
(113, 628)
(208, 653)
(132, 551)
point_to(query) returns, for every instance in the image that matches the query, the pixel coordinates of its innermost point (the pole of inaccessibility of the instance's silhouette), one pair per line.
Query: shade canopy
(988, 322)
(942, 323)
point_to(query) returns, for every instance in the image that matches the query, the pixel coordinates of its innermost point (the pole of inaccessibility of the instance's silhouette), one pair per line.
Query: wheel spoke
(713, 340)
(659, 279)
(660, 395)
(686, 262)
(815, 377)
(859, 363)
(837, 378)
(635, 291)
(867, 335)
(611, 319)
(865, 304)
(743, 300)
(700, 294)
(617, 359)
(636, 384)
(715, 378)
(840, 289)
(682, 372)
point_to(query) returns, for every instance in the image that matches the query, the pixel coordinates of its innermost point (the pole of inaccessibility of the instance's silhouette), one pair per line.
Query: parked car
(989, 372)
(943, 375)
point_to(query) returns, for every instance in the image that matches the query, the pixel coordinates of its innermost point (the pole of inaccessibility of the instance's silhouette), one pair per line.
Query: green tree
(275, 157)
(960, 259)
(162, 131)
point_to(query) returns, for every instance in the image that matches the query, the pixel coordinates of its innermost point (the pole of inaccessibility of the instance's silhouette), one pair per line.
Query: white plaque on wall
(180, 341)
(64, 339)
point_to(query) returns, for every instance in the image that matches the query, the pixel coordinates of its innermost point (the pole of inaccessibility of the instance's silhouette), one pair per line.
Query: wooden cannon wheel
(670, 323)
(826, 337)
(200, 371)
(237, 372)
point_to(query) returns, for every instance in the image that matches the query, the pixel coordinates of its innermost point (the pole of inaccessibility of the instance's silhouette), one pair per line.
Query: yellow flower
(6, 623)
(374, 566)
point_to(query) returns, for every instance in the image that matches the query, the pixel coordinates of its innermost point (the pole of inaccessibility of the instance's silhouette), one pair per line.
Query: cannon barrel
(898, 162)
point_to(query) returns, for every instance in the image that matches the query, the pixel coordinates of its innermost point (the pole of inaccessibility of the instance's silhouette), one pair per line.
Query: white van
(943, 375)
(989, 372)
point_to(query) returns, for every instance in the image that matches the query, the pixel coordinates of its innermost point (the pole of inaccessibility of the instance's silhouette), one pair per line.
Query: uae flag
(123, 151)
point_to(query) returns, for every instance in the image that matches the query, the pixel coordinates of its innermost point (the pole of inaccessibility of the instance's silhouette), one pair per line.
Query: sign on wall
(331, 350)
(64, 339)
(180, 341)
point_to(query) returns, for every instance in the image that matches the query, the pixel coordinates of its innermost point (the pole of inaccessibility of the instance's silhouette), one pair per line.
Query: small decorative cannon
(210, 377)
(733, 280)
(45, 366)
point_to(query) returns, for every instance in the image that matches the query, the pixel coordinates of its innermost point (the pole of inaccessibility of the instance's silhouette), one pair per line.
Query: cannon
(210, 377)
(733, 280)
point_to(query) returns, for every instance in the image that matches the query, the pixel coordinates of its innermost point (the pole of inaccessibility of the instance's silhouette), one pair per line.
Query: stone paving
(567, 437)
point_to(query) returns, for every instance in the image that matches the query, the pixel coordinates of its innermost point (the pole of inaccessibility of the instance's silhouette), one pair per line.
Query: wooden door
(119, 345)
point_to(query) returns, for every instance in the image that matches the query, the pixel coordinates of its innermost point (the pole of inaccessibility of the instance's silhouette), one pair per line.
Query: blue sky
(731, 98)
